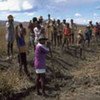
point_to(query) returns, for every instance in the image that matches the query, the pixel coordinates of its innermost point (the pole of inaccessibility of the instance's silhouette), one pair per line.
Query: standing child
(80, 42)
(40, 63)
(21, 32)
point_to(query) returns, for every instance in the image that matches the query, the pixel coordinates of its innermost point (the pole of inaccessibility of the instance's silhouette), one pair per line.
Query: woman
(40, 64)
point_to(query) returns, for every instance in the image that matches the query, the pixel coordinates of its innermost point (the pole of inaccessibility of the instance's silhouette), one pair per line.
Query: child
(80, 41)
(21, 32)
(39, 62)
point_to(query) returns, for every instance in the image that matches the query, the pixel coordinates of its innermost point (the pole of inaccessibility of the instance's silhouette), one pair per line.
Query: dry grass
(2, 40)
(10, 79)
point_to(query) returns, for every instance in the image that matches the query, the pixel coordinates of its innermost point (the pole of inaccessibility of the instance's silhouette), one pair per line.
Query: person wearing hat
(40, 63)
(10, 36)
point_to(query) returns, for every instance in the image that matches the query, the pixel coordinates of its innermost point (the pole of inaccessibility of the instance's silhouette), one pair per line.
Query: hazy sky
(24, 10)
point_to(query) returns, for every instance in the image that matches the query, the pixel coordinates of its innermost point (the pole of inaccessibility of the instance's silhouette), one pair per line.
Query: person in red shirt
(67, 35)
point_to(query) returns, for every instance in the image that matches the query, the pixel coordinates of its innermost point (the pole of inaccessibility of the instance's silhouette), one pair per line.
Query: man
(31, 27)
(73, 29)
(91, 27)
(88, 35)
(59, 32)
(10, 36)
(54, 34)
(67, 35)
(49, 29)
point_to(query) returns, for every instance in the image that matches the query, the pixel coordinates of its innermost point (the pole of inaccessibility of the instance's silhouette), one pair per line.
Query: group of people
(42, 35)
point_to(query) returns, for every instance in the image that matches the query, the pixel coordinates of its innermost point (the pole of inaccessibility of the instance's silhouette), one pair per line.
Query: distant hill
(25, 24)
(3, 23)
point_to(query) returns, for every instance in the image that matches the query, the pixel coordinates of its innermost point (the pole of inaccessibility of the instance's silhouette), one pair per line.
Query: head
(48, 16)
(42, 39)
(40, 19)
(72, 21)
(34, 19)
(20, 25)
(90, 22)
(97, 23)
(58, 21)
(64, 21)
(10, 18)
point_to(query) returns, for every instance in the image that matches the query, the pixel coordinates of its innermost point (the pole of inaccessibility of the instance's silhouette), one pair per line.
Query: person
(54, 34)
(41, 21)
(49, 29)
(59, 32)
(64, 22)
(31, 27)
(40, 63)
(31, 34)
(80, 42)
(88, 35)
(22, 58)
(97, 31)
(73, 27)
(37, 32)
(91, 28)
(10, 36)
(67, 35)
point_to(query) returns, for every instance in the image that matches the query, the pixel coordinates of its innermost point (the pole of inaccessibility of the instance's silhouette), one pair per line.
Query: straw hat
(42, 37)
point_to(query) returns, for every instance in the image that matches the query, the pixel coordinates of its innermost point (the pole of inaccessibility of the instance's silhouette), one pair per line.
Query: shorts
(40, 71)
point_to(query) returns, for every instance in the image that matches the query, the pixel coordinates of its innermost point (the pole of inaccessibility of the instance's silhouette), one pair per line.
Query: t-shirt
(20, 37)
(67, 31)
(37, 33)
